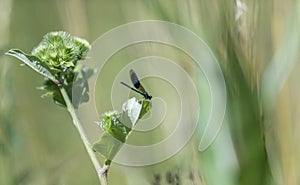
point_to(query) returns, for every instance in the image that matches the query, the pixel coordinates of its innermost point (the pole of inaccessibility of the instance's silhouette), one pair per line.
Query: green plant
(57, 59)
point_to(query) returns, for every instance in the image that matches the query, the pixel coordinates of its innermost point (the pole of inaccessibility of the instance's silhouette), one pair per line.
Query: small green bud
(59, 50)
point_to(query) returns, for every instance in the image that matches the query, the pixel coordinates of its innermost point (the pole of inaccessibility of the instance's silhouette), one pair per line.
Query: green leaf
(52, 90)
(80, 87)
(131, 111)
(107, 146)
(32, 62)
(146, 106)
(118, 126)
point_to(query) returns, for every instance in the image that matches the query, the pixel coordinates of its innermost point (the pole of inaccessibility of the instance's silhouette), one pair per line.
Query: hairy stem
(101, 172)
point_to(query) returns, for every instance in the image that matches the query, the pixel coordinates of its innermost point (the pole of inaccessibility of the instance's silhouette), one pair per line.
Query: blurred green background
(256, 44)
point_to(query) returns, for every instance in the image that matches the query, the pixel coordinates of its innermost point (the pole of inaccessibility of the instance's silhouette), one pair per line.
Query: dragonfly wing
(135, 81)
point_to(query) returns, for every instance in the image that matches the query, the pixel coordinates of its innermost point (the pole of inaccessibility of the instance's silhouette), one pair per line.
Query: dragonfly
(137, 85)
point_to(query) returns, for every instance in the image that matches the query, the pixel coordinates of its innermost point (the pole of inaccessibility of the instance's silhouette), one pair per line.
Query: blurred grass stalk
(238, 53)
(73, 16)
(281, 101)
(245, 45)
(6, 102)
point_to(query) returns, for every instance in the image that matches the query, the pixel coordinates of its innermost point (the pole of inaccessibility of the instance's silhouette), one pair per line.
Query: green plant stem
(101, 171)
